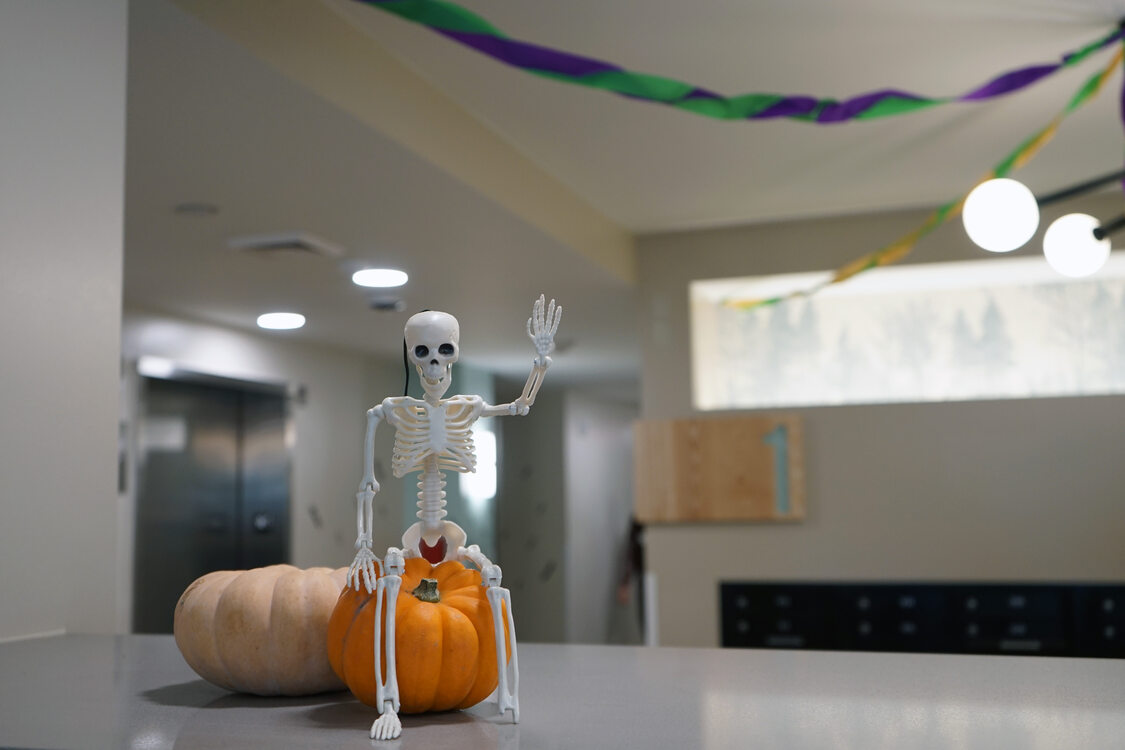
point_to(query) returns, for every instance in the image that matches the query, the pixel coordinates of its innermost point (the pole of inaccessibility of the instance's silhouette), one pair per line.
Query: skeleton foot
(388, 726)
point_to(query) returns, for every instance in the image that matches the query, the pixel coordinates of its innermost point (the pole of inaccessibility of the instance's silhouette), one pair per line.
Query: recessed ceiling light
(156, 367)
(379, 277)
(281, 321)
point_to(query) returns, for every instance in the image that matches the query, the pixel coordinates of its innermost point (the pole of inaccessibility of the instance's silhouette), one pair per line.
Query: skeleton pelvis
(455, 537)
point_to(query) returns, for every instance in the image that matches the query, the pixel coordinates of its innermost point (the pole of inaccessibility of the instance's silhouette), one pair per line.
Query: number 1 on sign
(778, 439)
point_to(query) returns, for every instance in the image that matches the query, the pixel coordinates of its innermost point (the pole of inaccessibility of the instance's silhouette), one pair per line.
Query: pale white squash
(261, 631)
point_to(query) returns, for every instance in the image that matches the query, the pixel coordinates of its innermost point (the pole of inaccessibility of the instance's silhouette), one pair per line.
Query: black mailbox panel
(977, 618)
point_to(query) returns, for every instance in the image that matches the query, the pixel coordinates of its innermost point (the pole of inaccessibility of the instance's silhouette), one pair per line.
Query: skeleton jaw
(435, 379)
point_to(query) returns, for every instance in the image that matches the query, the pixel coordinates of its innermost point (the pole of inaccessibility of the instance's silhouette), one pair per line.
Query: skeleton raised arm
(541, 329)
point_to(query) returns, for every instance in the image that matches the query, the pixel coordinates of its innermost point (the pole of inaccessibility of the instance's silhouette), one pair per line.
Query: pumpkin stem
(427, 591)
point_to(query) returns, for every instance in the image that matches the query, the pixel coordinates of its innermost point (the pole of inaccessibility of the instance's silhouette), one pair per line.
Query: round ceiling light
(1071, 247)
(380, 278)
(1000, 215)
(281, 321)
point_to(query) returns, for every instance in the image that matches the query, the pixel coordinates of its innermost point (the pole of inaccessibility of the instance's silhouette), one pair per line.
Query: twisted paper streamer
(467, 28)
(901, 247)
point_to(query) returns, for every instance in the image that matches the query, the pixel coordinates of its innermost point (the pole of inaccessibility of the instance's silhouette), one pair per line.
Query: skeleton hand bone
(363, 567)
(541, 328)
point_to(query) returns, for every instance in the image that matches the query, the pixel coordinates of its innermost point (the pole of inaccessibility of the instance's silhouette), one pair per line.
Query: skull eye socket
(446, 350)
(421, 351)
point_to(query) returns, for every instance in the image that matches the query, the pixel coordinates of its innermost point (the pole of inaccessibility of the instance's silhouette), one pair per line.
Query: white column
(62, 159)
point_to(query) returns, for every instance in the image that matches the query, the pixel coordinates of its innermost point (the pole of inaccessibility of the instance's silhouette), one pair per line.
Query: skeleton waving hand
(541, 328)
(431, 434)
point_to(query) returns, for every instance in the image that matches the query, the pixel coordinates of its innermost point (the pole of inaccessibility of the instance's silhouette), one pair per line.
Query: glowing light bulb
(1071, 247)
(281, 321)
(1000, 215)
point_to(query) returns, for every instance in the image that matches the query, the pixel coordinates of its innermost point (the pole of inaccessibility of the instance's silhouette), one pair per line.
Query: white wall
(1007, 490)
(598, 440)
(62, 153)
(531, 516)
(563, 513)
(339, 386)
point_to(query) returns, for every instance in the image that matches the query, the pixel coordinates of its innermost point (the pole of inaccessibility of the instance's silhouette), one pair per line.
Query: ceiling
(279, 142)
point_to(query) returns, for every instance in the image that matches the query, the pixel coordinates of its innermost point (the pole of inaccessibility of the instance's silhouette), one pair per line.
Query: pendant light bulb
(1071, 247)
(1000, 215)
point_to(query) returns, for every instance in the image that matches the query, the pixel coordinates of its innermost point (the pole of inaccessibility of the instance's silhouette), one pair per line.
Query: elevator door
(212, 489)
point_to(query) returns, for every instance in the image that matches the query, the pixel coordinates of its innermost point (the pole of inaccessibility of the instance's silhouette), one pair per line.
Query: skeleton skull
(432, 346)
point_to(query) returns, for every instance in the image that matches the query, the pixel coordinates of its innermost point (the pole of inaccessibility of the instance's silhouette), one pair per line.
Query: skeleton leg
(387, 726)
(500, 600)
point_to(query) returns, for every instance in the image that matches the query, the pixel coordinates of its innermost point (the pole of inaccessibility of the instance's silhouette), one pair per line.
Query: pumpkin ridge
(456, 681)
(272, 646)
(469, 589)
(462, 602)
(418, 636)
(336, 649)
(416, 567)
(487, 671)
(207, 582)
(368, 601)
(220, 652)
(464, 578)
(257, 656)
(445, 570)
(288, 630)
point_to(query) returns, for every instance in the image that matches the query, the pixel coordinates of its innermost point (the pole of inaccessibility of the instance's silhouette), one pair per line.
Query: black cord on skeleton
(406, 369)
(406, 364)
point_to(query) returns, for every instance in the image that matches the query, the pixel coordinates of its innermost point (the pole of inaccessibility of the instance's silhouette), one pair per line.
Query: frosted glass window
(987, 329)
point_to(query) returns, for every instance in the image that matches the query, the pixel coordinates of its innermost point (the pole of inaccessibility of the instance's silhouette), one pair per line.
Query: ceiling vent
(286, 243)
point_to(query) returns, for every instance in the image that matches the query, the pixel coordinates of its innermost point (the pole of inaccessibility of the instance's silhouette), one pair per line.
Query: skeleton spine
(431, 494)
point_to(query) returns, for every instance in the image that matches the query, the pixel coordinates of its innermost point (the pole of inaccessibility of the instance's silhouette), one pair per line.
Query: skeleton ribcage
(422, 430)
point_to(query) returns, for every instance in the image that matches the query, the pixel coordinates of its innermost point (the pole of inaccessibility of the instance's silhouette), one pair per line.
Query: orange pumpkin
(445, 648)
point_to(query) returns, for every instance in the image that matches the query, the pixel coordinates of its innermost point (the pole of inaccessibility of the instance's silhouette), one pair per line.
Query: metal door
(212, 489)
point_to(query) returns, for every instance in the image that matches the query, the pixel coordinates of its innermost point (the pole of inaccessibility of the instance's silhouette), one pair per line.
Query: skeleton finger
(558, 317)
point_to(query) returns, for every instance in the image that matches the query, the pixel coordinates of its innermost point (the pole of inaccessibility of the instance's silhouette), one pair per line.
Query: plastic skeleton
(432, 434)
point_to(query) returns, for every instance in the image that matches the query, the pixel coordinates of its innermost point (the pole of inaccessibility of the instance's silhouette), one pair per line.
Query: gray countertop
(136, 692)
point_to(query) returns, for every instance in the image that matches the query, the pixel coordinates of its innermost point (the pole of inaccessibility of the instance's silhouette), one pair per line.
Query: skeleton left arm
(541, 328)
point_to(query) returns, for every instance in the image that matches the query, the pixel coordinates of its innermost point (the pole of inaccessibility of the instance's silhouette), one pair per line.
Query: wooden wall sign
(719, 469)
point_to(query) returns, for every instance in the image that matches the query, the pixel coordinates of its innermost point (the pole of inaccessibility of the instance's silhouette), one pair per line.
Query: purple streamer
(1010, 82)
(790, 106)
(533, 56)
(851, 108)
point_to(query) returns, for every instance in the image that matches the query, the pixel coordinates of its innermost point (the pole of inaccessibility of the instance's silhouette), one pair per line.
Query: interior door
(212, 489)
